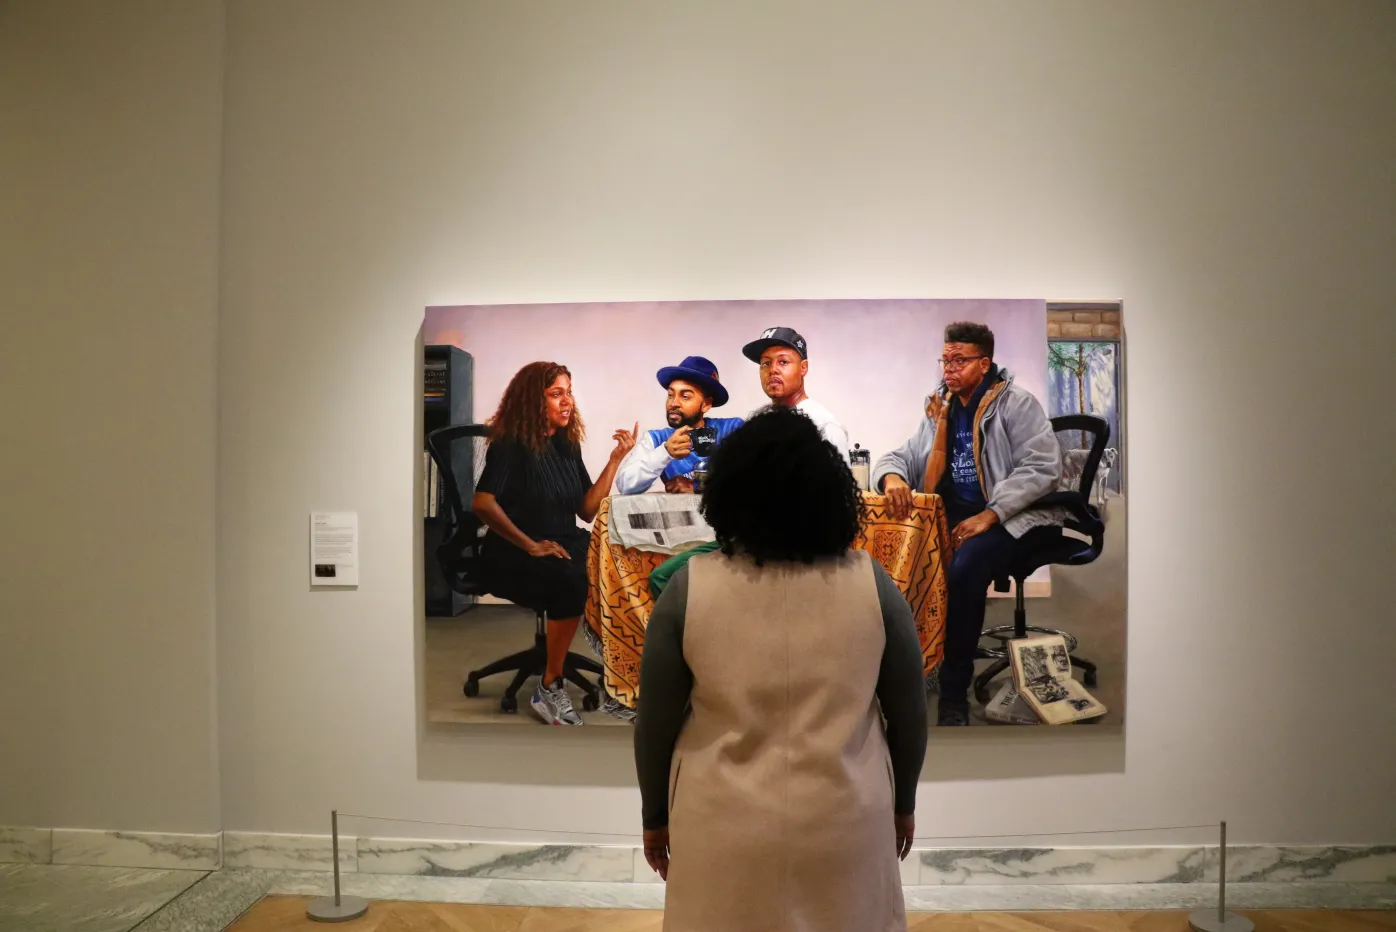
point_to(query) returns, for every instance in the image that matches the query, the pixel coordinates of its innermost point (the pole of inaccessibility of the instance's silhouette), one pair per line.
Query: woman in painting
(533, 489)
(774, 797)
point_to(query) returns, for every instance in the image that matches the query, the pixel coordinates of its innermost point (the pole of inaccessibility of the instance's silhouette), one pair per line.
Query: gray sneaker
(553, 705)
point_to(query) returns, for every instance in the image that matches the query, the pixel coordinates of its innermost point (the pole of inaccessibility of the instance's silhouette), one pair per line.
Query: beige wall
(1223, 168)
(109, 169)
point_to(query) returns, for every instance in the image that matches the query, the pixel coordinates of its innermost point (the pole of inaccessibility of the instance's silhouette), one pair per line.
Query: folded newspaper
(1011, 708)
(659, 522)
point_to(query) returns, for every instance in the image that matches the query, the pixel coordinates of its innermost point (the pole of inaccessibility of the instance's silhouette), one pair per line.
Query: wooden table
(914, 551)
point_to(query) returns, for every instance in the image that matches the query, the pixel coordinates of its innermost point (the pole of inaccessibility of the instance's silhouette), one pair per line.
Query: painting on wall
(514, 590)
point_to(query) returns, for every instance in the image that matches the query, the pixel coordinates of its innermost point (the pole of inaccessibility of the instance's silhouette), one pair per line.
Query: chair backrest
(1079, 475)
(1079, 468)
(456, 450)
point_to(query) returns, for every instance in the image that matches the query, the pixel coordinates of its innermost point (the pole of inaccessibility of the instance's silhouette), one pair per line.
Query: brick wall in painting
(1083, 325)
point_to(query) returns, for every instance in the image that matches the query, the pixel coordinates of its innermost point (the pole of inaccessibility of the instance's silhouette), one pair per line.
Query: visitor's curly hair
(523, 411)
(777, 490)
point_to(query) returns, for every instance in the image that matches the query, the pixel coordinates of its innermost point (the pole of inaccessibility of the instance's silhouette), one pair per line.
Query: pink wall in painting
(872, 362)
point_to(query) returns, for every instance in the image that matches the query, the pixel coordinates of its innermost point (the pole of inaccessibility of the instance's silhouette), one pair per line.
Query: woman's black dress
(541, 493)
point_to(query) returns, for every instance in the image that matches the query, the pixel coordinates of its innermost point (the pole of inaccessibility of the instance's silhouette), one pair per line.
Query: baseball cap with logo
(775, 336)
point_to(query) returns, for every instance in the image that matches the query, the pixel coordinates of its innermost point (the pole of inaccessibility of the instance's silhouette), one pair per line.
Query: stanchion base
(325, 909)
(1209, 920)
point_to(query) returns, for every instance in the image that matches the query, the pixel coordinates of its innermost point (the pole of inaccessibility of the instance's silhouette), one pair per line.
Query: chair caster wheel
(472, 687)
(509, 704)
(1090, 679)
(591, 702)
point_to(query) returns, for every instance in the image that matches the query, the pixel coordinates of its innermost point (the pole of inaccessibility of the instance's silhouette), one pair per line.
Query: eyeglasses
(957, 362)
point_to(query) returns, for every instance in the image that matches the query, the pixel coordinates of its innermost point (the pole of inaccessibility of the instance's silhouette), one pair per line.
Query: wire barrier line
(633, 835)
(338, 908)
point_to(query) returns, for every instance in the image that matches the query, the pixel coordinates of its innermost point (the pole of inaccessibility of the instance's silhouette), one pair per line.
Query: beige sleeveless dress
(781, 790)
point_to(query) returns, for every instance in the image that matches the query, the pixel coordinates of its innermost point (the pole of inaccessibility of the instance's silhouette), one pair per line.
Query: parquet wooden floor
(287, 914)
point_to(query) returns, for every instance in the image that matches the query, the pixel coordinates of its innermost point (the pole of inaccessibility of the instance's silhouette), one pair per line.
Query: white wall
(1223, 168)
(109, 175)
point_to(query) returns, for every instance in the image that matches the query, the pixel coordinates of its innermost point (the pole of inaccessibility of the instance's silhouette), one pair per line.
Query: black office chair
(1049, 545)
(459, 557)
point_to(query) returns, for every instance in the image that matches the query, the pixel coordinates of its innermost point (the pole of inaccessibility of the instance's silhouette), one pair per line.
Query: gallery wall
(109, 170)
(1222, 168)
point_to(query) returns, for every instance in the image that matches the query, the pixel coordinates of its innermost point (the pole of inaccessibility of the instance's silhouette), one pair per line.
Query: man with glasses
(987, 448)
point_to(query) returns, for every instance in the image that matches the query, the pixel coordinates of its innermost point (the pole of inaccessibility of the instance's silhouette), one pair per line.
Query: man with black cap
(783, 357)
(671, 452)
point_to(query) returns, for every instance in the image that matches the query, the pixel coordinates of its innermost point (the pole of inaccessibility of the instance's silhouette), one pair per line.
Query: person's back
(785, 739)
(769, 668)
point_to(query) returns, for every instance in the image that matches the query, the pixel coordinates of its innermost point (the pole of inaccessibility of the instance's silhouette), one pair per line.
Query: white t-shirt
(828, 425)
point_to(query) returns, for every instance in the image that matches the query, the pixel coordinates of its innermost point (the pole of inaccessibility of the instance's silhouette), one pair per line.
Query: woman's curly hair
(777, 490)
(523, 411)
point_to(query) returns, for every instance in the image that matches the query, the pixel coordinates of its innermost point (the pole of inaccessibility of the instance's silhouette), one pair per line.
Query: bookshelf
(448, 380)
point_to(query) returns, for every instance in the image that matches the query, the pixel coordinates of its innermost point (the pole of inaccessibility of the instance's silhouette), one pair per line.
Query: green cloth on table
(661, 574)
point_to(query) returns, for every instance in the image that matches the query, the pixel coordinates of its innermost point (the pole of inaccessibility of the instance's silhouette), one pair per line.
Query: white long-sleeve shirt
(641, 466)
(648, 460)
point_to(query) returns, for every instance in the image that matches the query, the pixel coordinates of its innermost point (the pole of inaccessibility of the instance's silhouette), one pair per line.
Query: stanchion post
(1220, 876)
(1205, 920)
(336, 908)
(334, 848)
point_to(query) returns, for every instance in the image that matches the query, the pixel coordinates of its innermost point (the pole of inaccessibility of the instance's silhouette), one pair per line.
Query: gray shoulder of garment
(666, 683)
(901, 691)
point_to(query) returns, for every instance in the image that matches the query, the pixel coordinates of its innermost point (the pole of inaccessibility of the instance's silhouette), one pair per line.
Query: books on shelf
(1042, 677)
(435, 376)
(433, 492)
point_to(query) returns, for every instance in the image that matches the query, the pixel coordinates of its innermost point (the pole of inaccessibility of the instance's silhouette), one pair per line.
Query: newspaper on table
(659, 522)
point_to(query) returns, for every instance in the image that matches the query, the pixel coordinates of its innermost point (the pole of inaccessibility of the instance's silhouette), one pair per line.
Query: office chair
(1049, 545)
(459, 557)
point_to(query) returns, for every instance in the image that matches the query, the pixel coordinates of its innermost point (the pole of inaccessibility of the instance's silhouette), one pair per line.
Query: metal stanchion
(339, 908)
(1219, 920)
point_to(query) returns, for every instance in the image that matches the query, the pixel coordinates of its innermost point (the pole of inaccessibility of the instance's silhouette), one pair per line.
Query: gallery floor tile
(67, 898)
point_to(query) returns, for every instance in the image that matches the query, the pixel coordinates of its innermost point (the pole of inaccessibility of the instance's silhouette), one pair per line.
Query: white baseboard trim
(626, 864)
(99, 848)
(926, 867)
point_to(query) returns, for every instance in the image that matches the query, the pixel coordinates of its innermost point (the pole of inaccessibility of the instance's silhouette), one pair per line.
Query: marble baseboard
(136, 849)
(1329, 864)
(26, 845)
(266, 851)
(936, 867)
(1157, 865)
(1007, 866)
(496, 861)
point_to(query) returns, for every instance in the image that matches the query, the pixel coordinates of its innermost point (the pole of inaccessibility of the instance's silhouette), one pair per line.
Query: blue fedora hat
(700, 372)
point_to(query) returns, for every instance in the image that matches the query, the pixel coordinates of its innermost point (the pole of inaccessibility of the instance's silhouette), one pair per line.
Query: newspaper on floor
(1011, 708)
(659, 522)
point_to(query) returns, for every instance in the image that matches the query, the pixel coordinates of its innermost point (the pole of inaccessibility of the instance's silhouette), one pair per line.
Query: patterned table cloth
(914, 551)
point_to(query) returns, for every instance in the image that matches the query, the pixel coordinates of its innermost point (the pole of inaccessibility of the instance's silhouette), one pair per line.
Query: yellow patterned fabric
(914, 551)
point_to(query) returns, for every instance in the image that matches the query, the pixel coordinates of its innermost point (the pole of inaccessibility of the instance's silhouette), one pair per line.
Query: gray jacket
(1016, 452)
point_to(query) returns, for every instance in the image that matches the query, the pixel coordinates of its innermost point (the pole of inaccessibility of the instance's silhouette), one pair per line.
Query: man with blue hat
(673, 452)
